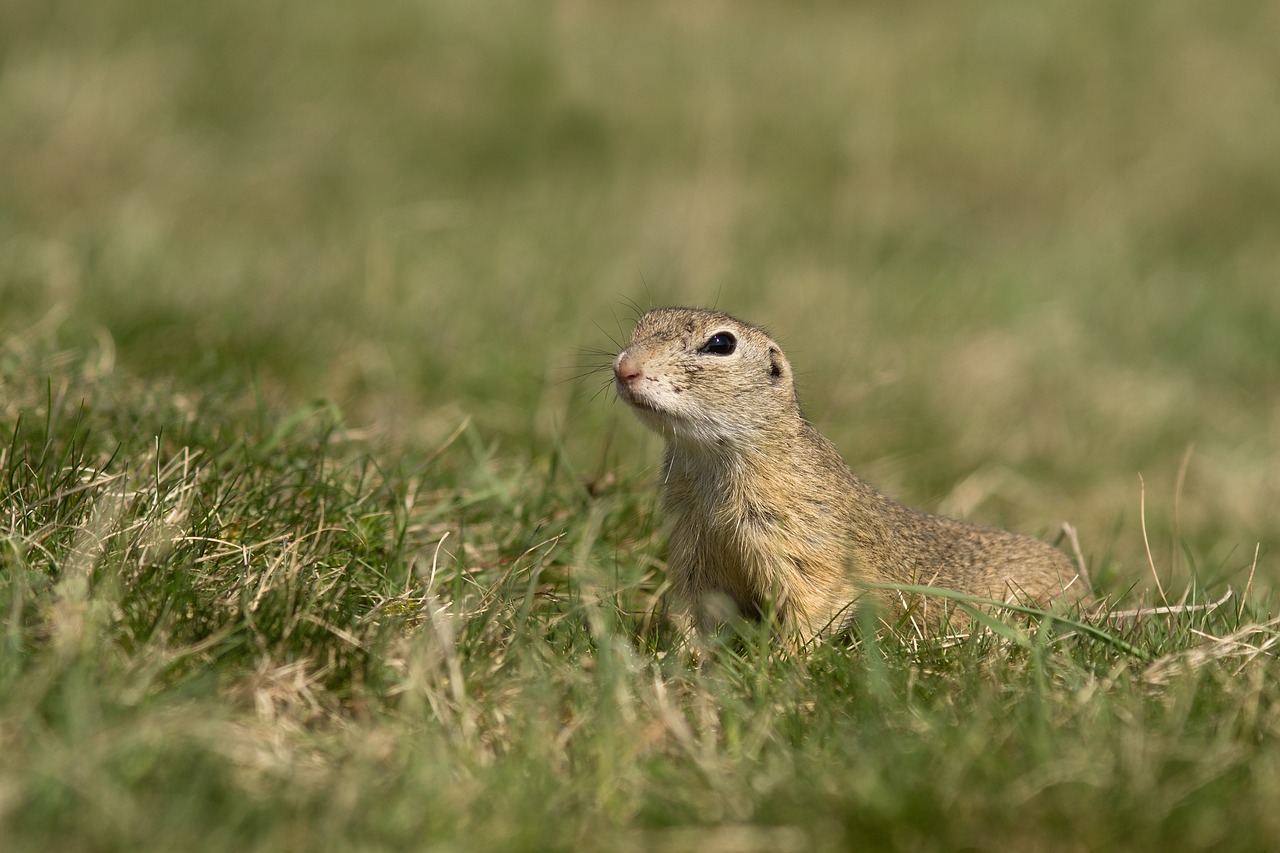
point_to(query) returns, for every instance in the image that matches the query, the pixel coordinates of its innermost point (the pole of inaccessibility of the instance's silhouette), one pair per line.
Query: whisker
(616, 344)
(635, 306)
(603, 388)
(586, 374)
(609, 354)
(588, 365)
(633, 309)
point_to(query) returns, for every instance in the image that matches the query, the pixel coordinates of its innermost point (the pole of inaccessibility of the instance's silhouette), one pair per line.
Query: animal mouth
(634, 399)
(646, 409)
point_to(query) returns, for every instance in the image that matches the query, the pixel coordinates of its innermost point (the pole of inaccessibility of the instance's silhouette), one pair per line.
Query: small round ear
(778, 367)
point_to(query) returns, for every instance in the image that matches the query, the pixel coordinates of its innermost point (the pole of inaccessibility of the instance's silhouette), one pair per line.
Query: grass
(310, 538)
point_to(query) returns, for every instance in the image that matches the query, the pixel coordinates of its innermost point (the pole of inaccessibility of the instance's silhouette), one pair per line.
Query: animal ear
(777, 365)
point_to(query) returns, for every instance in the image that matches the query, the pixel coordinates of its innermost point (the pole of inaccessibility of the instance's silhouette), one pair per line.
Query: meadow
(320, 527)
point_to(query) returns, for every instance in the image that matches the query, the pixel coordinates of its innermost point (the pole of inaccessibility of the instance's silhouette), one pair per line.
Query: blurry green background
(1018, 254)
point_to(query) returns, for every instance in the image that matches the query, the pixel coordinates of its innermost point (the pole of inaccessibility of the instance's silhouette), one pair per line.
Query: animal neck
(735, 462)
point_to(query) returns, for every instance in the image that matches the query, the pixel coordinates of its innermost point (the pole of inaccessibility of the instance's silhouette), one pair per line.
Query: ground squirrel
(765, 516)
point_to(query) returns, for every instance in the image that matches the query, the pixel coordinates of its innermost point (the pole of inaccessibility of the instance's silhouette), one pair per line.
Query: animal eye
(721, 343)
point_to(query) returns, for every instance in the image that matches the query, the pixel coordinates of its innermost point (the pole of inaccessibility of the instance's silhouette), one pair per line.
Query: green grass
(311, 538)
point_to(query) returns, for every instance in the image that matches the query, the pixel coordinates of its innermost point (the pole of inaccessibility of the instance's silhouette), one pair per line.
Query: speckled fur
(764, 514)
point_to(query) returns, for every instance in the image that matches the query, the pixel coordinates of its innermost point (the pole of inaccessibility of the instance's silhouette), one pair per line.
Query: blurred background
(1018, 255)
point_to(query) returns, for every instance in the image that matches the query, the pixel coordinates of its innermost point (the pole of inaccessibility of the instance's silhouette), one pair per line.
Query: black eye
(721, 343)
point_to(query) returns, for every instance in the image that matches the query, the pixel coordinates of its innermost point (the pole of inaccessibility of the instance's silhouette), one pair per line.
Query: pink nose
(626, 369)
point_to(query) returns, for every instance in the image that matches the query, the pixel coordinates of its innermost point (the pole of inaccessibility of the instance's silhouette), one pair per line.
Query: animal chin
(644, 408)
(652, 414)
(674, 424)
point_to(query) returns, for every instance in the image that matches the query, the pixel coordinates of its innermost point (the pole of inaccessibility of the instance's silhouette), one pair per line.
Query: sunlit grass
(316, 532)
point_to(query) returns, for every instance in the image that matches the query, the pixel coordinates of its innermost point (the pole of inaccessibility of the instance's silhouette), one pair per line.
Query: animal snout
(625, 369)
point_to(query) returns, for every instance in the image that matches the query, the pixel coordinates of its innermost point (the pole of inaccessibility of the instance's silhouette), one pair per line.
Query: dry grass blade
(1167, 610)
(238, 619)
(1243, 645)
(1146, 541)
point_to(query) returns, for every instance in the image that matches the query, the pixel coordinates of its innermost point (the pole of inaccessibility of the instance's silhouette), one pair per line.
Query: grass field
(318, 532)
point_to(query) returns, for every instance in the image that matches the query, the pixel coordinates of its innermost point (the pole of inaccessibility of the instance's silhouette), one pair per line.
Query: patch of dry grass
(308, 537)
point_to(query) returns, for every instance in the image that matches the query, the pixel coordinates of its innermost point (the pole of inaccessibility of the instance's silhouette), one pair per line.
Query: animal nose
(625, 368)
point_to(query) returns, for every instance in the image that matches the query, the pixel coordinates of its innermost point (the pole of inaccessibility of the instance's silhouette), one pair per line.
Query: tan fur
(765, 516)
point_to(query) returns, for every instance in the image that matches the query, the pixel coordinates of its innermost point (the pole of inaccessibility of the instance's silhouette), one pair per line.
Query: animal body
(766, 519)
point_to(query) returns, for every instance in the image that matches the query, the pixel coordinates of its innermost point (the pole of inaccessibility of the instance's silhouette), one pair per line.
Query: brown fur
(765, 515)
